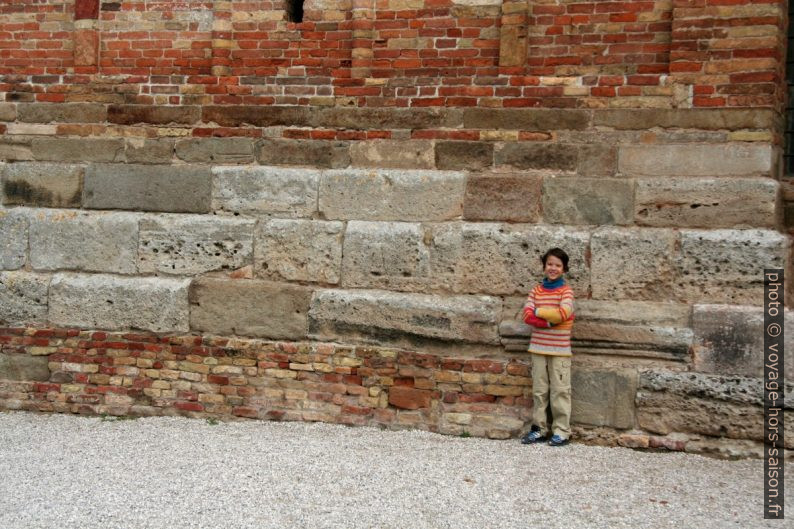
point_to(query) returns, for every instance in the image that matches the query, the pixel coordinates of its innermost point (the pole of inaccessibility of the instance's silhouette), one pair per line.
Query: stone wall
(214, 211)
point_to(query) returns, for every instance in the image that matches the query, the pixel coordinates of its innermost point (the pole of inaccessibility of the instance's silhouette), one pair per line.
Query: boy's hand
(533, 320)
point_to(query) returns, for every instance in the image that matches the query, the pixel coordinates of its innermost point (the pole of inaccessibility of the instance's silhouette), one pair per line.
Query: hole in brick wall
(294, 10)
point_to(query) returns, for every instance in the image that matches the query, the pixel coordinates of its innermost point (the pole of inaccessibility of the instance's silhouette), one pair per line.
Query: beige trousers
(551, 384)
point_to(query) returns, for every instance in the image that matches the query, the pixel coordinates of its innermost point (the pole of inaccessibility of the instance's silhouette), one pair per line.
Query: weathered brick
(153, 115)
(77, 240)
(179, 189)
(299, 250)
(312, 153)
(42, 184)
(100, 301)
(194, 244)
(409, 398)
(274, 190)
(391, 195)
(249, 307)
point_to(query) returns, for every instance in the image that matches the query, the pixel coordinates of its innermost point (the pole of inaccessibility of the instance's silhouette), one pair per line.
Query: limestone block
(8, 112)
(16, 148)
(401, 256)
(249, 308)
(393, 154)
(537, 156)
(514, 197)
(381, 316)
(357, 194)
(23, 298)
(505, 258)
(110, 302)
(299, 250)
(540, 119)
(42, 184)
(721, 406)
(688, 202)
(383, 118)
(729, 340)
(24, 367)
(84, 241)
(178, 189)
(153, 114)
(194, 244)
(464, 155)
(258, 116)
(150, 151)
(597, 159)
(736, 159)
(78, 149)
(588, 201)
(630, 263)
(603, 398)
(62, 113)
(13, 238)
(216, 150)
(311, 153)
(270, 190)
(686, 118)
(726, 266)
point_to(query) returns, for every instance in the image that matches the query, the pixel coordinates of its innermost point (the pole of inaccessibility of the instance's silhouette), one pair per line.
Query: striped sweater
(555, 306)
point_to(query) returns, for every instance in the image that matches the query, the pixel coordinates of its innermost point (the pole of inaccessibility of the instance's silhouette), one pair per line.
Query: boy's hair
(560, 254)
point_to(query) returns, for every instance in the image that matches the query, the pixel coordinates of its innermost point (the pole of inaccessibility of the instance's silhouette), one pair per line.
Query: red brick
(188, 406)
(409, 398)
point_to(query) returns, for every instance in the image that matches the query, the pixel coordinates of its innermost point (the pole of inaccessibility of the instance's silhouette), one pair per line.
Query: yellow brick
(71, 388)
(161, 384)
(472, 378)
(499, 135)
(748, 135)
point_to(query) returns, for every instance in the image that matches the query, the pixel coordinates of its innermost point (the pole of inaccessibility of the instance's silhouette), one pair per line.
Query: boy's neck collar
(560, 281)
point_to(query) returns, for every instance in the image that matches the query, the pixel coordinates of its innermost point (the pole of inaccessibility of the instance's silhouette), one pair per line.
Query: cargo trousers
(551, 388)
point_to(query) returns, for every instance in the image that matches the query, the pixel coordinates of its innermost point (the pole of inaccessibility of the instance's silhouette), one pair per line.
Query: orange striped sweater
(556, 307)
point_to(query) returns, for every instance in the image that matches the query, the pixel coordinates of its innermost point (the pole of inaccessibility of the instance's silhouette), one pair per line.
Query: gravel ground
(62, 471)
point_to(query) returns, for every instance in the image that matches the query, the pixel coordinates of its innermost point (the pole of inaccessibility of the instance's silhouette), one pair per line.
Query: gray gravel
(64, 471)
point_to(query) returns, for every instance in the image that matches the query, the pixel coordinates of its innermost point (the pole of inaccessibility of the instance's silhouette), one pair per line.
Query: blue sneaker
(557, 440)
(533, 436)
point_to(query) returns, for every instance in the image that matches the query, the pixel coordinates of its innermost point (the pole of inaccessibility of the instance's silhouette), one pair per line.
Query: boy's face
(553, 268)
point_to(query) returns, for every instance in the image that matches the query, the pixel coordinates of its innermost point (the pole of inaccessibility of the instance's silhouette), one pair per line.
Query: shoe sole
(536, 441)
(563, 443)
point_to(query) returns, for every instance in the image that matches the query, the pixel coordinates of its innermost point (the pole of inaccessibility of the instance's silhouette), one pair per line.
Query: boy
(549, 309)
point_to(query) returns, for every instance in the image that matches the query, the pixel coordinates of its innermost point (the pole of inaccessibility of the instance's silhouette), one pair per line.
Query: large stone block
(385, 118)
(392, 195)
(603, 398)
(62, 113)
(720, 406)
(505, 258)
(510, 197)
(537, 156)
(630, 263)
(393, 154)
(78, 240)
(178, 189)
(258, 116)
(688, 118)
(194, 244)
(23, 298)
(464, 155)
(688, 202)
(148, 151)
(110, 302)
(43, 184)
(299, 250)
(216, 150)
(24, 367)
(588, 201)
(729, 340)
(153, 114)
(526, 119)
(8, 112)
(249, 308)
(78, 149)
(311, 153)
(16, 148)
(13, 238)
(270, 190)
(727, 266)
(729, 159)
(401, 256)
(403, 319)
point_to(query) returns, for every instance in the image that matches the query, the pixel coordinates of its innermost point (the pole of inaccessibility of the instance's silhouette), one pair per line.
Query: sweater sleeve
(529, 307)
(559, 314)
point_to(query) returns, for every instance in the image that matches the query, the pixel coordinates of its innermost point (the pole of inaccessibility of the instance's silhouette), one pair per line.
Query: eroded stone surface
(79, 240)
(737, 159)
(100, 301)
(277, 191)
(194, 244)
(588, 201)
(216, 150)
(78, 149)
(299, 250)
(392, 195)
(23, 367)
(23, 297)
(311, 153)
(393, 154)
(13, 238)
(514, 197)
(603, 398)
(42, 184)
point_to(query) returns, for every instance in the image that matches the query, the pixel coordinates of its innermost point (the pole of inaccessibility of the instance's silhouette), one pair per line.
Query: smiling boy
(549, 309)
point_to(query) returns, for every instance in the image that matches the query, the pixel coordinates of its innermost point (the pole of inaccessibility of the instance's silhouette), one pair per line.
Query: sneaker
(534, 436)
(557, 440)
